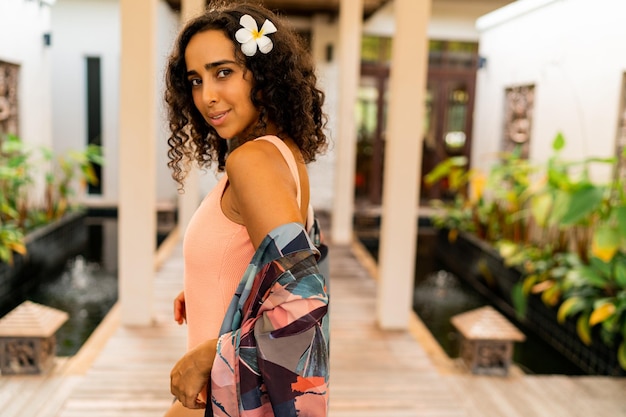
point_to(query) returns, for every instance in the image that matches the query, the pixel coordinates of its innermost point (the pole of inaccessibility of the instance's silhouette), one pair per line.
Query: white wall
(81, 29)
(325, 33)
(22, 26)
(572, 51)
(91, 28)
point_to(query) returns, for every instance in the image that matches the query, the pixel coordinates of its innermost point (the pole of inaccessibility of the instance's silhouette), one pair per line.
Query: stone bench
(27, 338)
(487, 340)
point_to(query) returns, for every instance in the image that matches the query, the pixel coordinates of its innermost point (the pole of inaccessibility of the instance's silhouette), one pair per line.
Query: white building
(563, 66)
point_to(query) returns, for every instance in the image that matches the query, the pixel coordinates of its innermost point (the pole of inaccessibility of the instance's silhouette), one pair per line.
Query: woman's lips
(217, 118)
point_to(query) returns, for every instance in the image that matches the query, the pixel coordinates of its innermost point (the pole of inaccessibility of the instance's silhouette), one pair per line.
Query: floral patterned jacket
(272, 355)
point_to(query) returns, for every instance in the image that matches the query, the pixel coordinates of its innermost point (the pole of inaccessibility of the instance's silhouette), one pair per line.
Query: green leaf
(559, 142)
(444, 168)
(621, 354)
(583, 329)
(590, 276)
(528, 283)
(560, 207)
(605, 242)
(582, 203)
(603, 268)
(620, 215)
(5, 255)
(620, 273)
(540, 206)
(519, 299)
(570, 307)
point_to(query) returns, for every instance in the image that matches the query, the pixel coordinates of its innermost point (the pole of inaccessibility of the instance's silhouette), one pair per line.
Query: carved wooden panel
(518, 116)
(8, 98)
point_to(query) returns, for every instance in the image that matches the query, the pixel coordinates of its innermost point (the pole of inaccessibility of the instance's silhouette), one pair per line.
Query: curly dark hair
(284, 90)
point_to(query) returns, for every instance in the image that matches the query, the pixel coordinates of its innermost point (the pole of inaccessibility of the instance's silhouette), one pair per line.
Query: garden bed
(478, 264)
(48, 249)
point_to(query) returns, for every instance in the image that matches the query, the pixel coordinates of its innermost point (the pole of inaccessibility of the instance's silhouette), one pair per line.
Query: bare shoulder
(263, 189)
(258, 154)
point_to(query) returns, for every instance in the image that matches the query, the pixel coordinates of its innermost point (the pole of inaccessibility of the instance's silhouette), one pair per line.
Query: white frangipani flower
(249, 36)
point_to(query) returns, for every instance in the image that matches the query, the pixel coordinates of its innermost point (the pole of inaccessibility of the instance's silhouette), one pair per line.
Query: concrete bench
(27, 338)
(487, 340)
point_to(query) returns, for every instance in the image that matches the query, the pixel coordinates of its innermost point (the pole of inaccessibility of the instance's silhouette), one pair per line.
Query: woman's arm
(263, 190)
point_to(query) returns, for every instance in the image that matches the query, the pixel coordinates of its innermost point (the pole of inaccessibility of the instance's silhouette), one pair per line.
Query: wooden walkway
(124, 371)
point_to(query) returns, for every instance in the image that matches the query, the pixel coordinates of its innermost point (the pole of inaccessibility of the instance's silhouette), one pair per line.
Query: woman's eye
(195, 82)
(223, 73)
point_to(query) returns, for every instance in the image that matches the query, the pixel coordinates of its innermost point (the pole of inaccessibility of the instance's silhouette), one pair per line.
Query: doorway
(448, 115)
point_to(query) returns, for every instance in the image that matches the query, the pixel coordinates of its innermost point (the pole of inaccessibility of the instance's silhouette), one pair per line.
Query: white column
(403, 155)
(189, 200)
(137, 169)
(350, 26)
(191, 8)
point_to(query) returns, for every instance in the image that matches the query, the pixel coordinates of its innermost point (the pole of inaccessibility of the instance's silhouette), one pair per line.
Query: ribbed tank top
(216, 252)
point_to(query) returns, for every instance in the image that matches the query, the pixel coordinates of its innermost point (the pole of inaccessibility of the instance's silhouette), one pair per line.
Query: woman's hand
(180, 312)
(190, 375)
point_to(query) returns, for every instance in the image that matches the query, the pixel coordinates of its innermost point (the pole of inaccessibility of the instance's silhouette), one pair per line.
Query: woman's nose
(209, 94)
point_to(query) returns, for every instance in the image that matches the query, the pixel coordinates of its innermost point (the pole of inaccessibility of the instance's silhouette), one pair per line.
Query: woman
(241, 93)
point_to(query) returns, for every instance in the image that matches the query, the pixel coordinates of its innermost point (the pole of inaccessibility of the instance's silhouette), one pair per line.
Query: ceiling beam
(307, 7)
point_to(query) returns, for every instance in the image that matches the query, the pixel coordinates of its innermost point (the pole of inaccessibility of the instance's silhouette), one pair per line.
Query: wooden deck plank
(374, 373)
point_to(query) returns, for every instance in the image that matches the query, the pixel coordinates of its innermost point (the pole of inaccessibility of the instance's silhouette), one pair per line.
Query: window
(94, 115)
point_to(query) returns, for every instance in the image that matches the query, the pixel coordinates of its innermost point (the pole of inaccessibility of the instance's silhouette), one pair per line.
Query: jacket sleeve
(277, 358)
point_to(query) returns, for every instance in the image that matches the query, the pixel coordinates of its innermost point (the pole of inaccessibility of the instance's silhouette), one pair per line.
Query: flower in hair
(249, 36)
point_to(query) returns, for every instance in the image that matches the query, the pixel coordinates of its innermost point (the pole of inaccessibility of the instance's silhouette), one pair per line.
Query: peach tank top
(216, 252)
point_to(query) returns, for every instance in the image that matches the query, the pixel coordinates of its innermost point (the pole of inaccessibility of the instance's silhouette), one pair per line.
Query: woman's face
(219, 85)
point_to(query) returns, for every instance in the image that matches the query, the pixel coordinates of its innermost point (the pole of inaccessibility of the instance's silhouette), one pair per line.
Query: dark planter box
(48, 249)
(480, 265)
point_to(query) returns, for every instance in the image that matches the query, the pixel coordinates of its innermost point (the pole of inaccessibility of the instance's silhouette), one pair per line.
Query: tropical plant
(595, 293)
(564, 232)
(61, 180)
(15, 179)
(458, 215)
(11, 240)
(22, 211)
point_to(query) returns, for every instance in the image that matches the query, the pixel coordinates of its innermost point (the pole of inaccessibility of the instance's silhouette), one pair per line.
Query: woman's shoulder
(253, 156)
(253, 149)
